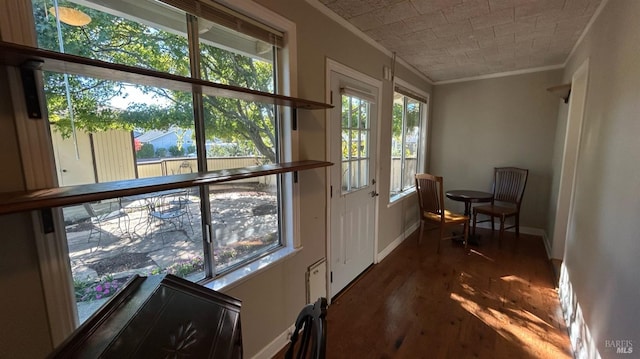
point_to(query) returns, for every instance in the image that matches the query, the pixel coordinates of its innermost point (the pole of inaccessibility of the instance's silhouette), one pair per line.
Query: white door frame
(566, 188)
(334, 66)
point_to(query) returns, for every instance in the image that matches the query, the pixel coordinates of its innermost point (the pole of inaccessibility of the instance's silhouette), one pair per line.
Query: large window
(105, 131)
(407, 141)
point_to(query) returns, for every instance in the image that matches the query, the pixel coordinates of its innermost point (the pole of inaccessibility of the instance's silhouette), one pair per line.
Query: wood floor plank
(495, 302)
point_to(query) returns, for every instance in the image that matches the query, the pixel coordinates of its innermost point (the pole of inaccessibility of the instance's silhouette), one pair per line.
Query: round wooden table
(469, 197)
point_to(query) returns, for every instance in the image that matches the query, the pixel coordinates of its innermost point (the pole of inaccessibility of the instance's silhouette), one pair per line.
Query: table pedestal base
(474, 240)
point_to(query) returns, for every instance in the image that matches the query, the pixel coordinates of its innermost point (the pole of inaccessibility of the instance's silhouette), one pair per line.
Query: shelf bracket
(294, 119)
(30, 88)
(295, 177)
(46, 217)
(562, 91)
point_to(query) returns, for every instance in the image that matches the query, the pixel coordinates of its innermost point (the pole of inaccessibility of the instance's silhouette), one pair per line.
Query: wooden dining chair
(430, 190)
(311, 323)
(508, 189)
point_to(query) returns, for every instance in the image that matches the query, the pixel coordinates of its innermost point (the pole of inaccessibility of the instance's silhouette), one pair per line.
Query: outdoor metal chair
(100, 217)
(168, 212)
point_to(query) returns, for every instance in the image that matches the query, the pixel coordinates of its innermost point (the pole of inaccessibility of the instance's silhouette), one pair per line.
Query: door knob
(373, 193)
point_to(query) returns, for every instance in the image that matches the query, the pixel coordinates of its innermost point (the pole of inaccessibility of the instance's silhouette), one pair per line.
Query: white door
(353, 190)
(74, 166)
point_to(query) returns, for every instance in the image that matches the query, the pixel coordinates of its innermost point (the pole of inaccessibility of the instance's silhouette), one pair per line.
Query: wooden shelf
(64, 196)
(33, 58)
(25, 56)
(562, 91)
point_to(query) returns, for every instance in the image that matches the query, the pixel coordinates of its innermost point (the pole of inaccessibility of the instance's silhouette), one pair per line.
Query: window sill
(400, 197)
(240, 275)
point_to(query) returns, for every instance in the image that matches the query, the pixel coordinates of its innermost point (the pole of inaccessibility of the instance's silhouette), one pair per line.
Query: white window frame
(424, 122)
(17, 25)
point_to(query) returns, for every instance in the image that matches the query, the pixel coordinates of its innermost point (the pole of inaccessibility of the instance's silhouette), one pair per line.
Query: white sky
(135, 95)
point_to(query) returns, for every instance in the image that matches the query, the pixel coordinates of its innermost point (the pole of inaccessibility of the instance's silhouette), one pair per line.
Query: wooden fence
(181, 165)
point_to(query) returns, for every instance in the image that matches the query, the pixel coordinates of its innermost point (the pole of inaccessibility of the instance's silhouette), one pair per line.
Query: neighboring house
(167, 139)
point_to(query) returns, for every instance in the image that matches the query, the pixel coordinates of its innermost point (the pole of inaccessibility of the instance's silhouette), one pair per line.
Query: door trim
(334, 66)
(570, 155)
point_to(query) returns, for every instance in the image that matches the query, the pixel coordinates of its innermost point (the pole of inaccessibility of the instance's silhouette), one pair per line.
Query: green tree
(118, 40)
(407, 109)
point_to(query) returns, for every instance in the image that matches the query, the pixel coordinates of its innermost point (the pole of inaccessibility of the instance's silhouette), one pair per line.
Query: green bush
(175, 151)
(182, 268)
(146, 151)
(161, 152)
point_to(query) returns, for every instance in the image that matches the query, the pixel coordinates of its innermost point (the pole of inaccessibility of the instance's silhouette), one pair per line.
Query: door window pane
(355, 142)
(345, 176)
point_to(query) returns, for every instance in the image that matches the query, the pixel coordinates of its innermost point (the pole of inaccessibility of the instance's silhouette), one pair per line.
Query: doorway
(577, 101)
(352, 147)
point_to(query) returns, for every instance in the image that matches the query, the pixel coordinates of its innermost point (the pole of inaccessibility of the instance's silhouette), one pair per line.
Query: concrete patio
(243, 217)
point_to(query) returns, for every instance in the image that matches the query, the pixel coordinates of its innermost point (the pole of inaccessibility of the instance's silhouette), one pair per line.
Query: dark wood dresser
(159, 317)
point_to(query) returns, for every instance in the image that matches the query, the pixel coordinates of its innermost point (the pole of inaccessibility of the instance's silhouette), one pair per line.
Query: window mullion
(198, 114)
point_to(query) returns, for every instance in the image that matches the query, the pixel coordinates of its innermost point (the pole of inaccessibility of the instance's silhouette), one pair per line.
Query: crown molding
(347, 25)
(501, 74)
(596, 14)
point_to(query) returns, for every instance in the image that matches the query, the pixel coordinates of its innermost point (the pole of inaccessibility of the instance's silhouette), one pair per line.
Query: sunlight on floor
(473, 251)
(520, 326)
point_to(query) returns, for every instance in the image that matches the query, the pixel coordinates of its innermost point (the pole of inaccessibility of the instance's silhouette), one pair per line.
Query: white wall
(603, 246)
(482, 124)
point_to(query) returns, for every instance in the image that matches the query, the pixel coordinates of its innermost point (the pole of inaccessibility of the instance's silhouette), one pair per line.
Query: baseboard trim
(547, 245)
(525, 230)
(275, 346)
(396, 242)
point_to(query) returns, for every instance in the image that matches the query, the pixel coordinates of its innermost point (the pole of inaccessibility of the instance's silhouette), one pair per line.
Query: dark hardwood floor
(495, 302)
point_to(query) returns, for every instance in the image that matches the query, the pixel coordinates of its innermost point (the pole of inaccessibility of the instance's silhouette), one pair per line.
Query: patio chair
(186, 199)
(186, 167)
(168, 213)
(99, 218)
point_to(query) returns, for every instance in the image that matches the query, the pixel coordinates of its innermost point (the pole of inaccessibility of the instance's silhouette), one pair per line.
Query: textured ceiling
(453, 39)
